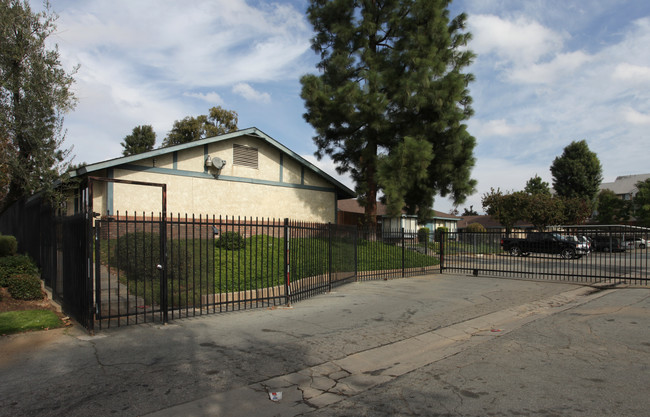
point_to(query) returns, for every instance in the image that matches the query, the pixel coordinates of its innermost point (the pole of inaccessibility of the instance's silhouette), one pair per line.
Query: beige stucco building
(243, 173)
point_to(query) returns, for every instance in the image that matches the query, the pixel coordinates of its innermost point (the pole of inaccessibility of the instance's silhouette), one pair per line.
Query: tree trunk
(371, 181)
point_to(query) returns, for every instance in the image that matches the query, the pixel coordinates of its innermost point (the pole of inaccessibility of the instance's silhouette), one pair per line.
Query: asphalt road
(436, 345)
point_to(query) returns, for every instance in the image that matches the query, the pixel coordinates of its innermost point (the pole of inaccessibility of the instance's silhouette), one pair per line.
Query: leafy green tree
(537, 185)
(576, 210)
(470, 211)
(507, 209)
(5, 174)
(543, 210)
(390, 102)
(34, 95)
(641, 203)
(475, 228)
(577, 172)
(611, 209)
(218, 122)
(142, 139)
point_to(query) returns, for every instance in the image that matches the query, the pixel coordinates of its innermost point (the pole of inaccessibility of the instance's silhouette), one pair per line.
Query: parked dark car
(606, 243)
(553, 243)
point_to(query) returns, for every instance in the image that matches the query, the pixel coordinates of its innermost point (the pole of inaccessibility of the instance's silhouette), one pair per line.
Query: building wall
(451, 225)
(279, 187)
(399, 223)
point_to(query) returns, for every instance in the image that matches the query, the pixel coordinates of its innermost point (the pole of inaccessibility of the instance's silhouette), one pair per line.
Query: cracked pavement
(434, 345)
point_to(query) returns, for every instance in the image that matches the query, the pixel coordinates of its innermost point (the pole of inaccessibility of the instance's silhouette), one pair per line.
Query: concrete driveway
(433, 345)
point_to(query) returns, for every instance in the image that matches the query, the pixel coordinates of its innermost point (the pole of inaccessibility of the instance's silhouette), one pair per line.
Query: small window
(244, 156)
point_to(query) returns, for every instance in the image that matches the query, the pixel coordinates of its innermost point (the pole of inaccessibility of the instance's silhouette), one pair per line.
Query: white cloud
(216, 42)
(501, 128)
(634, 117)
(629, 72)
(249, 93)
(153, 62)
(547, 73)
(563, 65)
(212, 97)
(525, 50)
(518, 41)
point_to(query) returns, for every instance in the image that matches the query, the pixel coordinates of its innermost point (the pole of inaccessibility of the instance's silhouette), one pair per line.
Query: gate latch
(160, 267)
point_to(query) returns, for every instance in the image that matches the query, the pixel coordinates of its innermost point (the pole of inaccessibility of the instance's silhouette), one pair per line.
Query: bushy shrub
(138, 255)
(439, 232)
(475, 228)
(8, 245)
(230, 241)
(25, 287)
(15, 265)
(423, 235)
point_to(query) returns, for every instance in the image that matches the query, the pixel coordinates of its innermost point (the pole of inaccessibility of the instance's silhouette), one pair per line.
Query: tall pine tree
(391, 99)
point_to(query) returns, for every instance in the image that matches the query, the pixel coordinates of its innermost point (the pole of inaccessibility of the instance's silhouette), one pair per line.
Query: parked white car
(635, 243)
(585, 242)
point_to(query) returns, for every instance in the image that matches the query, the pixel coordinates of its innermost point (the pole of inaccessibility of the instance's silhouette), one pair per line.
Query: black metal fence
(118, 270)
(607, 254)
(61, 247)
(147, 269)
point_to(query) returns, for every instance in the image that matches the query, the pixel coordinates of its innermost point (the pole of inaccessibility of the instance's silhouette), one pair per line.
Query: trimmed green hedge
(439, 231)
(25, 287)
(16, 265)
(423, 235)
(8, 245)
(230, 241)
(138, 254)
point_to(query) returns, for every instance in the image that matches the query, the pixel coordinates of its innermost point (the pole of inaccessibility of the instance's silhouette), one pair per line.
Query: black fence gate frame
(163, 238)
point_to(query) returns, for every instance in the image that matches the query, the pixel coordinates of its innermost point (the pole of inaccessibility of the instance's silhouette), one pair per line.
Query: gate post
(403, 251)
(287, 279)
(98, 272)
(356, 256)
(90, 218)
(442, 250)
(329, 256)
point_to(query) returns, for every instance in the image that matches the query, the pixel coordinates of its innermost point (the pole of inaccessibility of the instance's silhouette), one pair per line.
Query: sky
(548, 72)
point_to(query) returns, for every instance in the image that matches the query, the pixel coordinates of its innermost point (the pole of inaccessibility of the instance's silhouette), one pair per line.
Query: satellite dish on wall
(218, 163)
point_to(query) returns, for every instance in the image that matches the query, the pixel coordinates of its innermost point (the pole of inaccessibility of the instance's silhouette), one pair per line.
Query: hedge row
(8, 245)
(18, 272)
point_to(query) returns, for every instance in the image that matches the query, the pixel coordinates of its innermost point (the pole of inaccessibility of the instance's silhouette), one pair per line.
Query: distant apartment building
(625, 186)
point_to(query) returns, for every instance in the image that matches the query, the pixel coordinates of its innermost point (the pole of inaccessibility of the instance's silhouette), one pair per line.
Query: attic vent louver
(245, 156)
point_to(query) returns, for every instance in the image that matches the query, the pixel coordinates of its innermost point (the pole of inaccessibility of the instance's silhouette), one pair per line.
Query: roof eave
(341, 190)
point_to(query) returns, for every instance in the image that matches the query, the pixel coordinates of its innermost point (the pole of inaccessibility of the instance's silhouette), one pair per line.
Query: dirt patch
(8, 303)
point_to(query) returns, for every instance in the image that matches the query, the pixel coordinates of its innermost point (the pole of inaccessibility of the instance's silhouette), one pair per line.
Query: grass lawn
(197, 267)
(25, 320)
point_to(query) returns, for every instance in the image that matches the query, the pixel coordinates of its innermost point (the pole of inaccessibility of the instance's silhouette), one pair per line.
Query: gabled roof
(625, 184)
(488, 222)
(351, 205)
(342, 190)
(445, 216)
